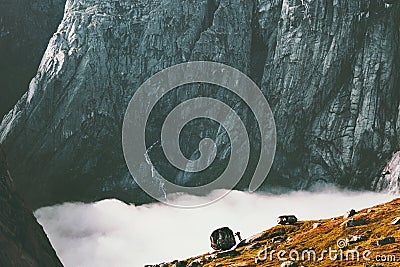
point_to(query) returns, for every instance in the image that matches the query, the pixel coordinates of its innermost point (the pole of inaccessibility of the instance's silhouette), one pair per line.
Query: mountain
(375, 242)
(23, 241)
(389, 178)
(329, 69)
(25, 29)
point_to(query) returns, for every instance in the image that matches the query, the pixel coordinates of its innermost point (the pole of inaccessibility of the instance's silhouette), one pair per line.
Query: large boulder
(354, 222)
(396, 221)
(287, 219)
(316, 225)
(350, 213)
(386, 241)
(356, 239)
(222, 239)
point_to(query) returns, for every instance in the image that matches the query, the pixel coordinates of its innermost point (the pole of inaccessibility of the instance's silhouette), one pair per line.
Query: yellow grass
(302, 237)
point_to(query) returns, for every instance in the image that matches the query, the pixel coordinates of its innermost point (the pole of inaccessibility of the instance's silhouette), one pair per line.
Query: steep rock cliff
(23, 241)
(390, 176)
(333, 80)
(329, 69)
(25, 29)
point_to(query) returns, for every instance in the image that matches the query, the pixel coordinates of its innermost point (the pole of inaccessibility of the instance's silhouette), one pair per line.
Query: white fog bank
(111, 233)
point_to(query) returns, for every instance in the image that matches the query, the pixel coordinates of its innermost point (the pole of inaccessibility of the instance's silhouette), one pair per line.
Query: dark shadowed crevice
(211, 8)
(258, 53)
(209, 16)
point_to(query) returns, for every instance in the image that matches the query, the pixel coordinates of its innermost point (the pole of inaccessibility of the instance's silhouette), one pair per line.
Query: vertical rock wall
(330, 70)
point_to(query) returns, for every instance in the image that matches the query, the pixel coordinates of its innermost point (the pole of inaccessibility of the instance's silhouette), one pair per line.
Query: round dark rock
(222, 239)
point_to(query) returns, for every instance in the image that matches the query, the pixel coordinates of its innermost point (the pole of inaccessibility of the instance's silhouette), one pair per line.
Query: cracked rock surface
(332, 80)
(329, 69)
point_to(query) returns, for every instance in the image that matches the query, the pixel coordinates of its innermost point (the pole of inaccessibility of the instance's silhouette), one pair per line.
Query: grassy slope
(302, 236)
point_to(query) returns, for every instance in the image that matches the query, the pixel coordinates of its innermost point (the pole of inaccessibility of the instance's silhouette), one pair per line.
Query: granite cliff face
(25, 29)
(333, 82)
(329, 69)
(23, 241)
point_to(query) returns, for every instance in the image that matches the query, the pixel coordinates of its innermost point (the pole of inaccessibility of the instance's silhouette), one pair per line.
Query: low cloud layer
(111, 233)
